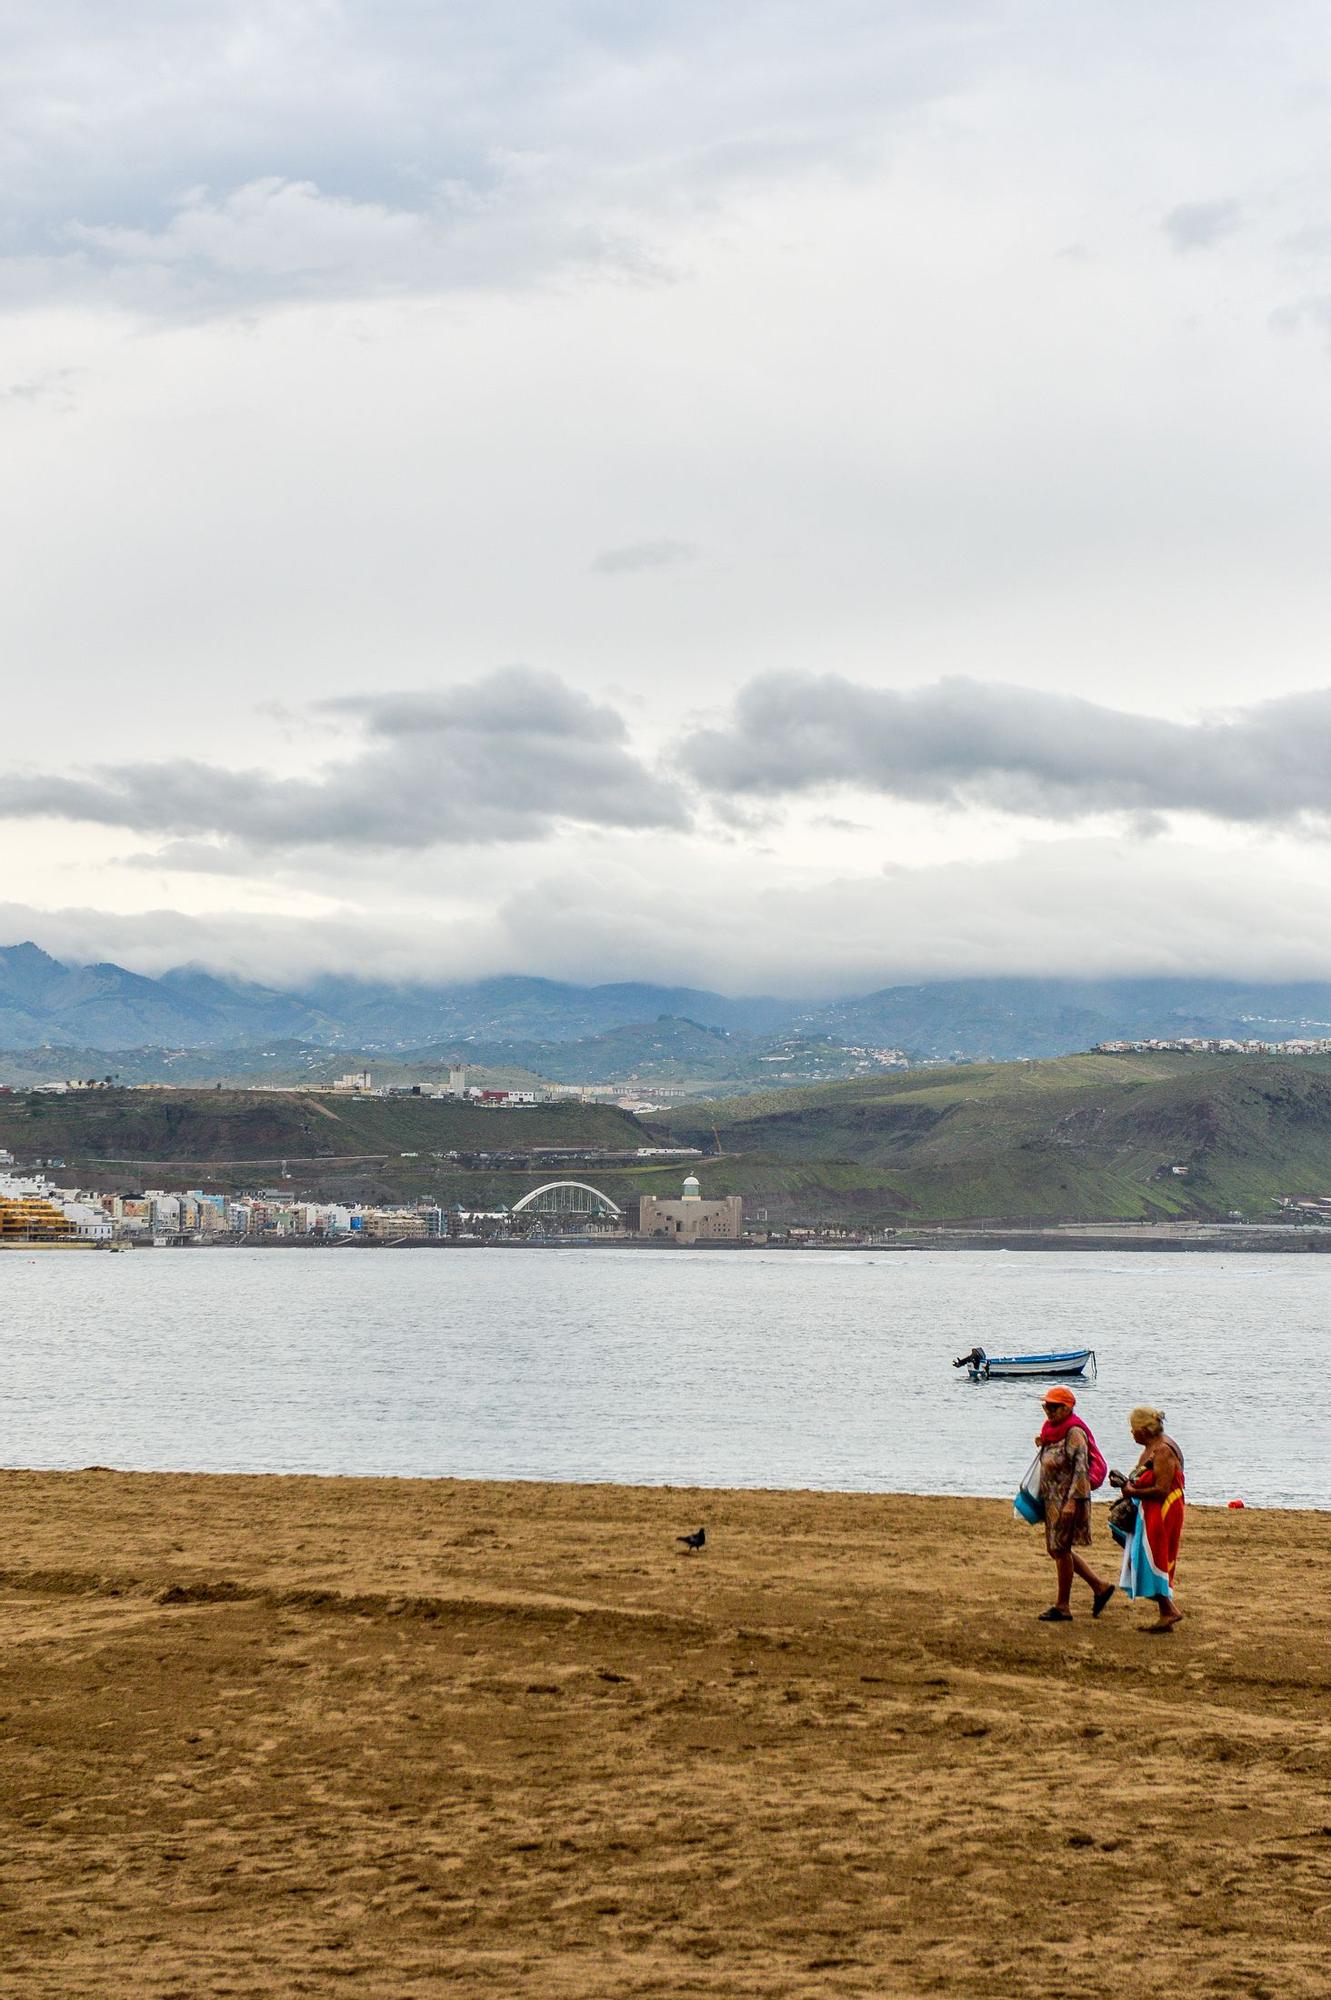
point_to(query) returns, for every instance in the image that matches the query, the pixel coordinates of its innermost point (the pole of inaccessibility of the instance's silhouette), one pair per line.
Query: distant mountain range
(106, 1007)
(1009, 1018)
(96, 1010)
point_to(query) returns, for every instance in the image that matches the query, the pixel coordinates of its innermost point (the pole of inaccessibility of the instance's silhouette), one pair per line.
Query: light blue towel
(1140, 1577)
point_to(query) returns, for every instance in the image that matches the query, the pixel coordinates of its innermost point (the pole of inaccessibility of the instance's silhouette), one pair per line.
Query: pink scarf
(1053, 1433)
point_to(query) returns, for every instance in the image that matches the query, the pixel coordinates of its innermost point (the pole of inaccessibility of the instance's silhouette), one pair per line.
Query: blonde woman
(1150, 1554)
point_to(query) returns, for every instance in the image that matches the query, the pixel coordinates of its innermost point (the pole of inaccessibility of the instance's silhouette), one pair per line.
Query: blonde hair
(1144, 1418)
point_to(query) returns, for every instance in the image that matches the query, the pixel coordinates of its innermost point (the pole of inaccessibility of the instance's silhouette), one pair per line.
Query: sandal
(1053, 1616)
(1102, 1598)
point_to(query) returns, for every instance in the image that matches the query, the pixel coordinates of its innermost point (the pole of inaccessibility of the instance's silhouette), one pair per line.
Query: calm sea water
(724, 1369)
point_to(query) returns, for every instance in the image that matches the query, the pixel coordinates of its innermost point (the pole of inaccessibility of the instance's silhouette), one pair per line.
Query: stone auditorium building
(691, 1219)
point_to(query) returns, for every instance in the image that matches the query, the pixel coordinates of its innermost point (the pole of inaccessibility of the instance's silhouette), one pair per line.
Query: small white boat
(982, 1367)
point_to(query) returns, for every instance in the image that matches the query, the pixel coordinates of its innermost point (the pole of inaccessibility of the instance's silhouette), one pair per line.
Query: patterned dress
(1065, 1475)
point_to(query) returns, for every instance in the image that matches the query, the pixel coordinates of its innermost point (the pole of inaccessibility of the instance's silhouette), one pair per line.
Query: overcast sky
(756, 495)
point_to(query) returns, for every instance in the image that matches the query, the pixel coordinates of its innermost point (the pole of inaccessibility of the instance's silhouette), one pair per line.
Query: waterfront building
(163, 1211)
(388, 1225)
(691, 1219)
(33, 1211)
(87, 1224)
(29, 1217)
(210, 1211)
(130, 1215)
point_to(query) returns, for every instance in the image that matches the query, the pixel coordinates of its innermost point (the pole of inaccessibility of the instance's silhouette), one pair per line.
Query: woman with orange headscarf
(1065, 1495)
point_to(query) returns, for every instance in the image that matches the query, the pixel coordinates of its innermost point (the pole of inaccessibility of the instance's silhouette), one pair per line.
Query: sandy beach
(270, 1736)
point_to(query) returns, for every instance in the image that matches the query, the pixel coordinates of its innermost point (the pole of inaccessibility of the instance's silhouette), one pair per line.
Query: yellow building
(30, 1218)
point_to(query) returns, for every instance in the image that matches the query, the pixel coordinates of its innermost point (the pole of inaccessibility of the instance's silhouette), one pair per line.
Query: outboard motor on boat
(975, 1359)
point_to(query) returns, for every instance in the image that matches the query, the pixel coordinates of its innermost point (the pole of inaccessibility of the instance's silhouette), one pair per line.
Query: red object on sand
(1233, 1504)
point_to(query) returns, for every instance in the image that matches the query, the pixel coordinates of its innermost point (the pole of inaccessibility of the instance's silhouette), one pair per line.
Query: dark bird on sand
(692, 1542)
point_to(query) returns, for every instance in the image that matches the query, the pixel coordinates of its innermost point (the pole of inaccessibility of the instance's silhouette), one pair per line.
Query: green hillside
(1081, 1138)
(313, 1132)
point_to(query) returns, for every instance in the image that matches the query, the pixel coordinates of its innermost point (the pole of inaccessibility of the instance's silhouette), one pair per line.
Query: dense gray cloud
(1016, 750)
(206, 156)
(501, 759)
(1200, 225)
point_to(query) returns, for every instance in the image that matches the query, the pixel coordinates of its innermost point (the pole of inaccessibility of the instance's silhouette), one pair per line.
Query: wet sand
(385, 1738)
